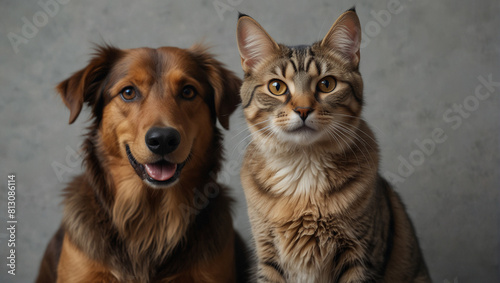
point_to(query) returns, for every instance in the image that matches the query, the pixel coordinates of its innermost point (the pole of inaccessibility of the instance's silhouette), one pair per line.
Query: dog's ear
(86, 84)
(225, 83)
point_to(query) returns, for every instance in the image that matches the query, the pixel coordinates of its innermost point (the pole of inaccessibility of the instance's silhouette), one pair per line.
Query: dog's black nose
(162, 140)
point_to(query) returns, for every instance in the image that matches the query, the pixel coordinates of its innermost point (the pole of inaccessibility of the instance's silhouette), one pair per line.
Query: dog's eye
(128, 93)
(327, 84)
(188, 92)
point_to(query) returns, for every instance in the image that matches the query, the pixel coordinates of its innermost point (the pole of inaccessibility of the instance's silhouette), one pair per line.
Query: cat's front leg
(356, 275)
(356, 271)
(269, 272)
(268, 267)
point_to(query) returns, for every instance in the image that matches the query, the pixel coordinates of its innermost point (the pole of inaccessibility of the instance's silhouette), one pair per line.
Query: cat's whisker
(331, 134)
(342, 129)
(363, 132)
(246, 129)
(361, 118)
(345, 127)
(243, 123)
(265, 130)
(249, 136)
(341, 135)
(332, 130)
(266, 135)
(348, 145)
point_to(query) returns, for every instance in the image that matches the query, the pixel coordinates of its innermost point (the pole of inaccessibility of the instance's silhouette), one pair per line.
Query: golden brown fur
(319, 210)
(138, 214)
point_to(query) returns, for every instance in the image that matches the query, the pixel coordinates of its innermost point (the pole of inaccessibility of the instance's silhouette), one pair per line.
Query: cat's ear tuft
(345, 36)
(254, 43)
(240, 14)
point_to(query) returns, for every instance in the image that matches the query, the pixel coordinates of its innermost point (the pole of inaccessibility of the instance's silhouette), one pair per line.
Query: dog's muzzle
(160, 141)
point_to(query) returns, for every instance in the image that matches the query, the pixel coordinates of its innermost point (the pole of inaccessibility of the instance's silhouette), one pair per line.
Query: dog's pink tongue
(161, 171)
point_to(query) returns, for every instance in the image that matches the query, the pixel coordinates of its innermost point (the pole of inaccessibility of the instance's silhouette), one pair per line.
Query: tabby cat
(319, 210)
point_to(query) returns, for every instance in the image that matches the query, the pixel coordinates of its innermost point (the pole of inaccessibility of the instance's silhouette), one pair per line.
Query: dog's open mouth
(160, 173)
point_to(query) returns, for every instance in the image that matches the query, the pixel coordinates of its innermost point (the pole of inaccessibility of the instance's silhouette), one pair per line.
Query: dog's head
(153, 109)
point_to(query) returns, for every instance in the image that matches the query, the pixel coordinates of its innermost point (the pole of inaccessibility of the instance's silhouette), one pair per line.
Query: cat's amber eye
(327, 84)
(277, 87)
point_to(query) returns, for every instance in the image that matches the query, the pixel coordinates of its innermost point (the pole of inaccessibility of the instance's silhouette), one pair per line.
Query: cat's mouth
(304, 129)
(300, 134)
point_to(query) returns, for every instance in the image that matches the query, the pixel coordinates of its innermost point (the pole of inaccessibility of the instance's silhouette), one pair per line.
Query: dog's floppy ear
(86, 84)
(225, 83)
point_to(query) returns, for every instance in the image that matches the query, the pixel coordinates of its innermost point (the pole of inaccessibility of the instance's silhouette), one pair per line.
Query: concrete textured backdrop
(426, 66)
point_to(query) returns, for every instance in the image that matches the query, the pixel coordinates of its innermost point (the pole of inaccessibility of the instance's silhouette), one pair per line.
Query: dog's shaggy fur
(136, 214)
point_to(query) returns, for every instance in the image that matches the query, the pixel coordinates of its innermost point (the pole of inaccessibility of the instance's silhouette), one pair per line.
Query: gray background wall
(422, 63)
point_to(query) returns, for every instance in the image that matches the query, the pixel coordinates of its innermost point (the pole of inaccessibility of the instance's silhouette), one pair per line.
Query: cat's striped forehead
(301, 68)
(302, 59)
(298, 59)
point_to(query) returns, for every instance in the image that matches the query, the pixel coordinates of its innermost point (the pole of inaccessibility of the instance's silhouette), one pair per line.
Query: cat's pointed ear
(254, 43)
(345, 36)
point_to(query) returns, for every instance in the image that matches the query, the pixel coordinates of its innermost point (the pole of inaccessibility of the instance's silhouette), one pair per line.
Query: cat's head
(302, 95)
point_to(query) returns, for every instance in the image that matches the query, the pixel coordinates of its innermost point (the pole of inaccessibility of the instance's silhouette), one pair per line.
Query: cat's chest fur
(308, 246)
(299, 173)
(304, 219)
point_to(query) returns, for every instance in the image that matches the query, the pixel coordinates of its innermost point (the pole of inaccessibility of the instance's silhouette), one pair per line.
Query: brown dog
(148, 207)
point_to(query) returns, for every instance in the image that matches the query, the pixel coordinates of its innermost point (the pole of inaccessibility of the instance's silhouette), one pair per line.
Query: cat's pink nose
(303, 112)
